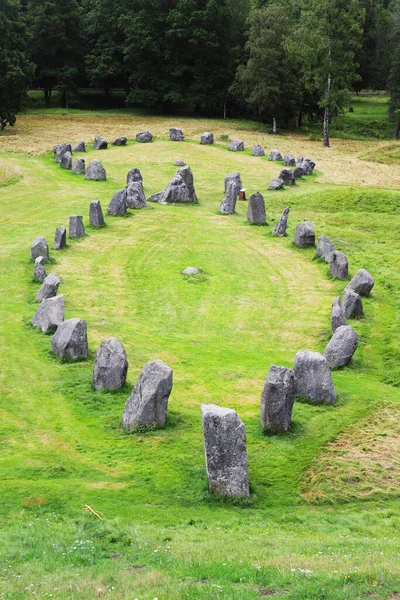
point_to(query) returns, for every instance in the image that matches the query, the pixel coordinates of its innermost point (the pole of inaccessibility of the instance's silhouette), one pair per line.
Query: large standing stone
(287, 177)
(79, 147)
(338, 318)
(134, 175)
(276, 184)
(176, 135)
(225, 450)
(39, 273)
(187, 176)
(111, 366)
(99, 143)
(66, 161)
(40, 248)
(281, 226)
(313, 377)
(49, 287)
(304, 236)
(234, 176)
(298, 172)
(258, 150)
(352, 304)
(324, 248)
(70, 339)
(60, 150)
(121, 141)
(236, 146)
(307, 165)
(117, 204)
(144, 137)
(256, 209)
(362, 282)
(60, 238)
(176, 191)
(135, 197)
(228, 204)
(96, 218)
(275, 155)
(277, 399)
(95, 171)
(289, 160)
(76, 227)
(148, 403)
(50, 314)
(341, 347)
(79, 166)
(207, 138)
(339, 266)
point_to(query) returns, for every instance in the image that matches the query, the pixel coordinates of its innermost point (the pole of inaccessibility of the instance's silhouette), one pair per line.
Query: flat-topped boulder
(191, 271)
(95, 171)
(341, 347)
(339, 265)
(313, 377)
(187, 176)
(144, 137)
(324, 248)
(76, 227)
(277, 399)
(50, 314)
(110, 366)
(148, 403)
(225, 450)
(289, 160)
(176, 134)
(78, 166)
(60, 238)
(276, 184)
(352, 304)
(99, 143)
(338, 317)
(258, 150)
(275, 155)
(286, 175)
(207, 138)
(281, 226)
(40, 247)
(117, 204)
(70, 339)
(134, 175)
(228, 204)
(39, 272)
(49, 287)
(79, 147)
(236, 146)
(304, 236)
(135, 197)
(96, 218)
(256, 209)
(121, 141)
(362, 282)
(66, 161)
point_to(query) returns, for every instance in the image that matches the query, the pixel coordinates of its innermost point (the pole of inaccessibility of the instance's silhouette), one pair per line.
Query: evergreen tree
(374, 55)
(394, 76)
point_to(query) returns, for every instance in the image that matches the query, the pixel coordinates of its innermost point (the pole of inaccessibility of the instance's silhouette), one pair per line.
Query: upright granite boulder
(258, 150)
(148, 403)
(49, 287)
(176, 192)
(39, 272)
(339, 266)
(277, 399)
(50, 314)
(134, 175)
(281, 226)
(207, 138)
(276, 184)
(341, 347)
(176, 134)
(60, 150)
(135, 197)
(40, 247)
(99, 143)
(95, 171)
(236, 146)
(313, 377)
(225, 450)
(79, 166)
(352, 304)
(110, 366)
(338, 318)
(70, 339)
(362, 282)
(324, 248)
(228, 204)
(96, 218)
(117, 204)
(187, 176)
(121, 141)
(66, 161)
(287, 177)
(76, 227)
(144, 137)
(79, 147)
(304, 236)
(234, 176)
(275, 155)
(60, 238)
(289, 160)
(256, 209)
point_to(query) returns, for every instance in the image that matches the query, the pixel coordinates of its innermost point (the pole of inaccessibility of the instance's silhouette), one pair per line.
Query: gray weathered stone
(179, 163)
(308, 166)
(155, 197)
(40, 248)
(134, 175)
(96, 218)
(121, 141)
(135, 197)
(276, 184)
(117, 204)
(339, 266)
(76, 227)
(39, 273)
(60, 238)
(187, 176)
(324, 248)
(234, 176)
(176, 135)
(176, 191)
(289, 160)
(281, 226)
(352, 304)
(60, 150)
(99, 143)
(207, 138)
(256, 209)
(70, 339)
(50, 314)
(228, 204)
(49, 287)
(298, 172)
(338, 318)
(79, 166)
(258, 150)
(341, 347)
(300, 160)
(287, 177)
(362, 282)
(95, 171)
(236, 146)
(313, 377)
(225, 450)
(144, 137)
(304, 235)
(148, 403)
(277, 399)
(275, 155)
(79, 147)
(110, 366)
(66, 161)
(190, 271)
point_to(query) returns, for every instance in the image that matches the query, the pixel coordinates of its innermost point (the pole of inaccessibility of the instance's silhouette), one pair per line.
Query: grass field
(323, 519)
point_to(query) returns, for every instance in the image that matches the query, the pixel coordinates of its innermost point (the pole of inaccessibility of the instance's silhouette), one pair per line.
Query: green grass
(259, 300)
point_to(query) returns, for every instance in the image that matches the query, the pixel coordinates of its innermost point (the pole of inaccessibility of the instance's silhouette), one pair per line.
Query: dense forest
(276, 61)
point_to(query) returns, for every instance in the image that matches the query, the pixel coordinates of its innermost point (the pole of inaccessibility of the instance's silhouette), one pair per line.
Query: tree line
(273, 60)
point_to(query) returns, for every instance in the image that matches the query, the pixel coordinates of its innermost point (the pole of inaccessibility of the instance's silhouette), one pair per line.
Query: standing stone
(287, 177)
(96, 171)
(352, 304)
(96, 218)
(207, 138)
(324, 248)
(111, 366)
(281, 226)
(117, 204)
(298, 173)
(275, 155)
(60, 238)
(307, 165)
(300, 160)
(341, 347)
(277, 399)
(313, 377)
(339, 266)
(234, 176)
(39, 273)
(256, 209)
(276, 184)
(121, 141)
(76, 227)
(60, 150)
(70, 339)
(49, 287)
(135, 197)
(144, 137)
(236, 146)
(79, 147)
(304, 236)
(176, 135)
(40, 248)
(148, 403)
(225, 450)
(228, 204)
(258, 150)
(66, 160)
(99, 143)
(187, 176)
(134, 175)
(362, 282)
(176, 191)
(289, 160)
(338, 318)
(79, 166)
(50, 314)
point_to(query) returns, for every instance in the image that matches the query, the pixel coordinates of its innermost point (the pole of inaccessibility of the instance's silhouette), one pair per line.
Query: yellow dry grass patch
(9, 173)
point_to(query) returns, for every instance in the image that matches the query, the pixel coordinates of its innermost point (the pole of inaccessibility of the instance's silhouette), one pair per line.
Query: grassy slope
(260, 301)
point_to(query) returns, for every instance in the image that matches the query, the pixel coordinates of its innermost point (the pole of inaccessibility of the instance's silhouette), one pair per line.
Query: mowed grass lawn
(322, 520)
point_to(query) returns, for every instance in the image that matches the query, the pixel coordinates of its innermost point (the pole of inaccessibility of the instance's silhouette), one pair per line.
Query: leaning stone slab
(49, 287)
(341, 347)
(234, 176)
(96, 218)
(225, 450)
(207, 138)
(176, 135)
(99, 143)
(304, 235)
(39, 272)
(187, 176)
(338, 317)
(228, 204)
(258, 150)
(121, 141)
(352, 304)
(362, 282)
(276, 184)
(79, 147)
(275, 155)
(134, 175)
(76, 227)
(176, 192)
(289, 160)
(70, 339)
(117, 204)
(324, 248)
(60, 150)
(313, 377)
(277, 399)
(40, 247)
(148, 403)
(110, 366)
(236, 146)
(66, 161)
(60, 238)
(95, 171)
(281, 226)
(339, 266)
(50, 314)
(144, 137)
(287, 177)
(256, 209)
(79, 166)
(135, 197)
